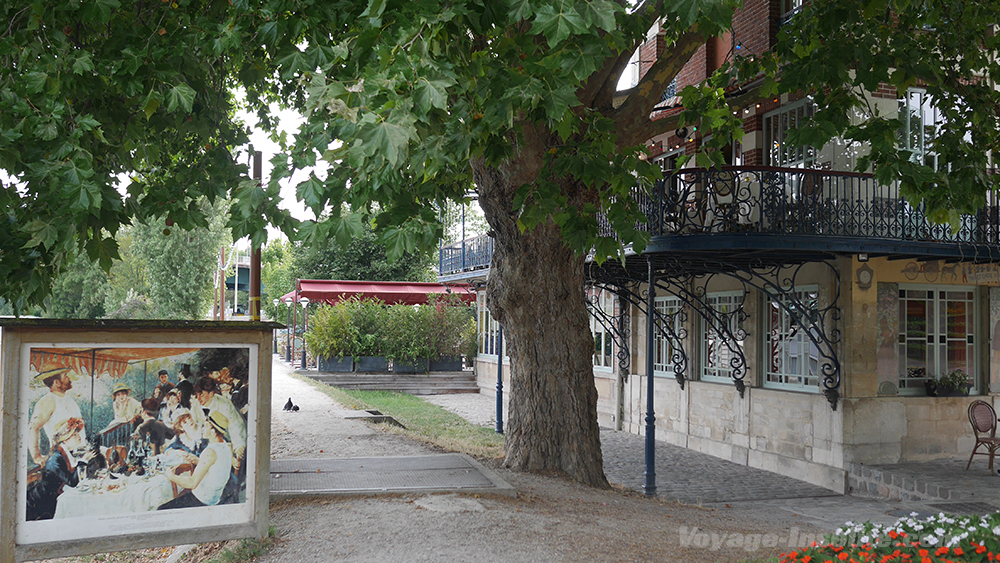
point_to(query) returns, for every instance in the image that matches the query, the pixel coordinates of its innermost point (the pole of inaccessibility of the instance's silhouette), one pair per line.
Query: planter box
(935, 391)
(446, 363)
(336, 364)
(371, 363)
(418, 365)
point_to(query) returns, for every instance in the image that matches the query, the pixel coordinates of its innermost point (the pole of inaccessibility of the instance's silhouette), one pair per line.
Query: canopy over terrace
(407, 293)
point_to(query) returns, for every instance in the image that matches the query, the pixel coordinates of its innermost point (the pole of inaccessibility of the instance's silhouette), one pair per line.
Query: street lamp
(305, 303)
(289, 329)
(273, 335)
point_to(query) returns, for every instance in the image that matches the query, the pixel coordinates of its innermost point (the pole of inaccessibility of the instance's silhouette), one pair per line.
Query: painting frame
(26, 347)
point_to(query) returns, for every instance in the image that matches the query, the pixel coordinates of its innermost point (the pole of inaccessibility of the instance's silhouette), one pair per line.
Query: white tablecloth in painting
(108, 497)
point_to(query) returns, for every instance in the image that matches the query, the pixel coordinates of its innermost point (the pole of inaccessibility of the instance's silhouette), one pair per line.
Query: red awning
(407, 293)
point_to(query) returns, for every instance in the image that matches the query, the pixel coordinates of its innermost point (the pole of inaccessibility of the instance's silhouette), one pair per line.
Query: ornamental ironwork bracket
(615, 325)
(692, 290)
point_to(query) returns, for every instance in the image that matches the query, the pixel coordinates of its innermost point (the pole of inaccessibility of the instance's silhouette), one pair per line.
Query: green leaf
(557, 26)
(152, 104)
(430, 94)
(374, 12)
(83, 63)
(388, 140)
(180, 95)
(295, 62)
(35, 81)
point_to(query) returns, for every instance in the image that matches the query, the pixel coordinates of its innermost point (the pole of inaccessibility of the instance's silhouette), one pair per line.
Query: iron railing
(464, 256)
(791, 201)
(768, 200)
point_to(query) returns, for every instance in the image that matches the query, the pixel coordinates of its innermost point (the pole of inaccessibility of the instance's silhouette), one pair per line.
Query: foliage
(96, 91)
(128, 277)
(936, 539)
(448, 324)
(276, 278)
(180, 264)
(363, 258)
(406, 335)
(134, 306)
(79, 292)
(331, 333)
(957, 380)
(368, 318)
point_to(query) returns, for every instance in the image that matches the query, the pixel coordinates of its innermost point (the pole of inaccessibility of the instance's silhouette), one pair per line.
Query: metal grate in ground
(373, 475)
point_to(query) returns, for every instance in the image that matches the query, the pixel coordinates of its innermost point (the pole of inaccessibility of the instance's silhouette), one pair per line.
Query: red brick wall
(755, 26)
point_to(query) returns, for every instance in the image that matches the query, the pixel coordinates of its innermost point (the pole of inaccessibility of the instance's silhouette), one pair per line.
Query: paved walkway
(694, 478)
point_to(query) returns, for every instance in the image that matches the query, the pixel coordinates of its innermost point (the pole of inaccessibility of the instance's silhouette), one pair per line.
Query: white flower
(931, 540)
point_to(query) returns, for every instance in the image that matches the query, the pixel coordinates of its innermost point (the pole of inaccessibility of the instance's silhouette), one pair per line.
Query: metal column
(650, 476)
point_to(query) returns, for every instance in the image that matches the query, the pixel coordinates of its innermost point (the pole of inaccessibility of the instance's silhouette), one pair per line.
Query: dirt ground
(551, 519)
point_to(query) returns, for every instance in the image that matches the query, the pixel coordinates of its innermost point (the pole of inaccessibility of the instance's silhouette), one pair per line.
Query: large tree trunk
(536, 292)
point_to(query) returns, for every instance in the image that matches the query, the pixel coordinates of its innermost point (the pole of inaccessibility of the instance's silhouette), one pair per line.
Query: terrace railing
(465, 256)
(787, 201)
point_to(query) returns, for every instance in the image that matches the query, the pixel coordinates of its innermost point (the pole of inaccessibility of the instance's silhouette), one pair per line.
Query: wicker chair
(984, 426)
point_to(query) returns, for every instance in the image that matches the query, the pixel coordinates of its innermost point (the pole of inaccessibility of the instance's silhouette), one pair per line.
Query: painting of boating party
(112, 431)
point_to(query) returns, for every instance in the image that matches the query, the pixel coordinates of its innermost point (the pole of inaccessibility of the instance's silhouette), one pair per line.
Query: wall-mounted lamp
(863, 257)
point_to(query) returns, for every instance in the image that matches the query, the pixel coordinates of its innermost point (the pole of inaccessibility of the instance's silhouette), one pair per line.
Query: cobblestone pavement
(681, 474)
(692, 477)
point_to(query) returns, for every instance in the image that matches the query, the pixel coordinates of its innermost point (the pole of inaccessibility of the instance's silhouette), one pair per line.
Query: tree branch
(632, 117)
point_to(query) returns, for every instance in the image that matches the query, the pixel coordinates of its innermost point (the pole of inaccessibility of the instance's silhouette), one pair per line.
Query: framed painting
(135, 438)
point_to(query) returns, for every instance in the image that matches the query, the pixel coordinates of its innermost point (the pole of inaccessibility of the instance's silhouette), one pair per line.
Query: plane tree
(407, 103)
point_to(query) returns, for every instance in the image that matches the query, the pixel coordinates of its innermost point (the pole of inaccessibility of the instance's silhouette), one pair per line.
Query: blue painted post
(650, 475)
(499, 379)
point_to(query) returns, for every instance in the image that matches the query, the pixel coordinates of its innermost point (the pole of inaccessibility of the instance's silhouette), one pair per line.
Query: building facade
(789, 311)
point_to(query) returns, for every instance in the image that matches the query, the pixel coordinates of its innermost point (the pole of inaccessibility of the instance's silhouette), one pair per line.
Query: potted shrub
(406, 342)
(368, 317)
(954, 384)
(470, 344)
(331, 338)
(447, 321)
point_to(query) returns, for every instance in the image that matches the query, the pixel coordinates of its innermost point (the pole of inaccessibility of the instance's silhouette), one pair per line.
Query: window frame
(736, 304)
(607, 302)
(937, 351)
(671, 307)
(810, 381)
(776, 125)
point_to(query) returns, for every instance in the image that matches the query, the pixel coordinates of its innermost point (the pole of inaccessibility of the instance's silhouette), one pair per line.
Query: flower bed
(940, 538)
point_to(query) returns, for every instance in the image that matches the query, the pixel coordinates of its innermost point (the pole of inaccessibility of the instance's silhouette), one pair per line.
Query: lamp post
(289, 329)
(305, 303)
(274, 336)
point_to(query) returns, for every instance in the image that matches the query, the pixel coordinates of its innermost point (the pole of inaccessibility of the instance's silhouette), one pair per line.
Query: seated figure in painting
(60, 469)
(152, 431)
(212, 475)
(171, 409)
(187, 436)
(125, 407)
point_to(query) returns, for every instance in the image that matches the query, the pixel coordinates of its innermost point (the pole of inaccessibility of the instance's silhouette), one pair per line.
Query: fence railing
(767, 200)
(467, 255)
(790, 201)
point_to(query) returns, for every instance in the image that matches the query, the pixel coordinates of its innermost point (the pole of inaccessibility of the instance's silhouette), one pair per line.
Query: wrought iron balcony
(465, 258)
(762, 208)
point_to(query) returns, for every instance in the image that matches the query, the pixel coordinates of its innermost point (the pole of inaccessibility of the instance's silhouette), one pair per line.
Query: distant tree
(80, 291)
(276, 277)
(363, 258)
(180, 263)
(128, 279)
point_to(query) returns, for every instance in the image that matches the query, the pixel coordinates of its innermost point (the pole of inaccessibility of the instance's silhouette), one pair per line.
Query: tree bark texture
(536, 292)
